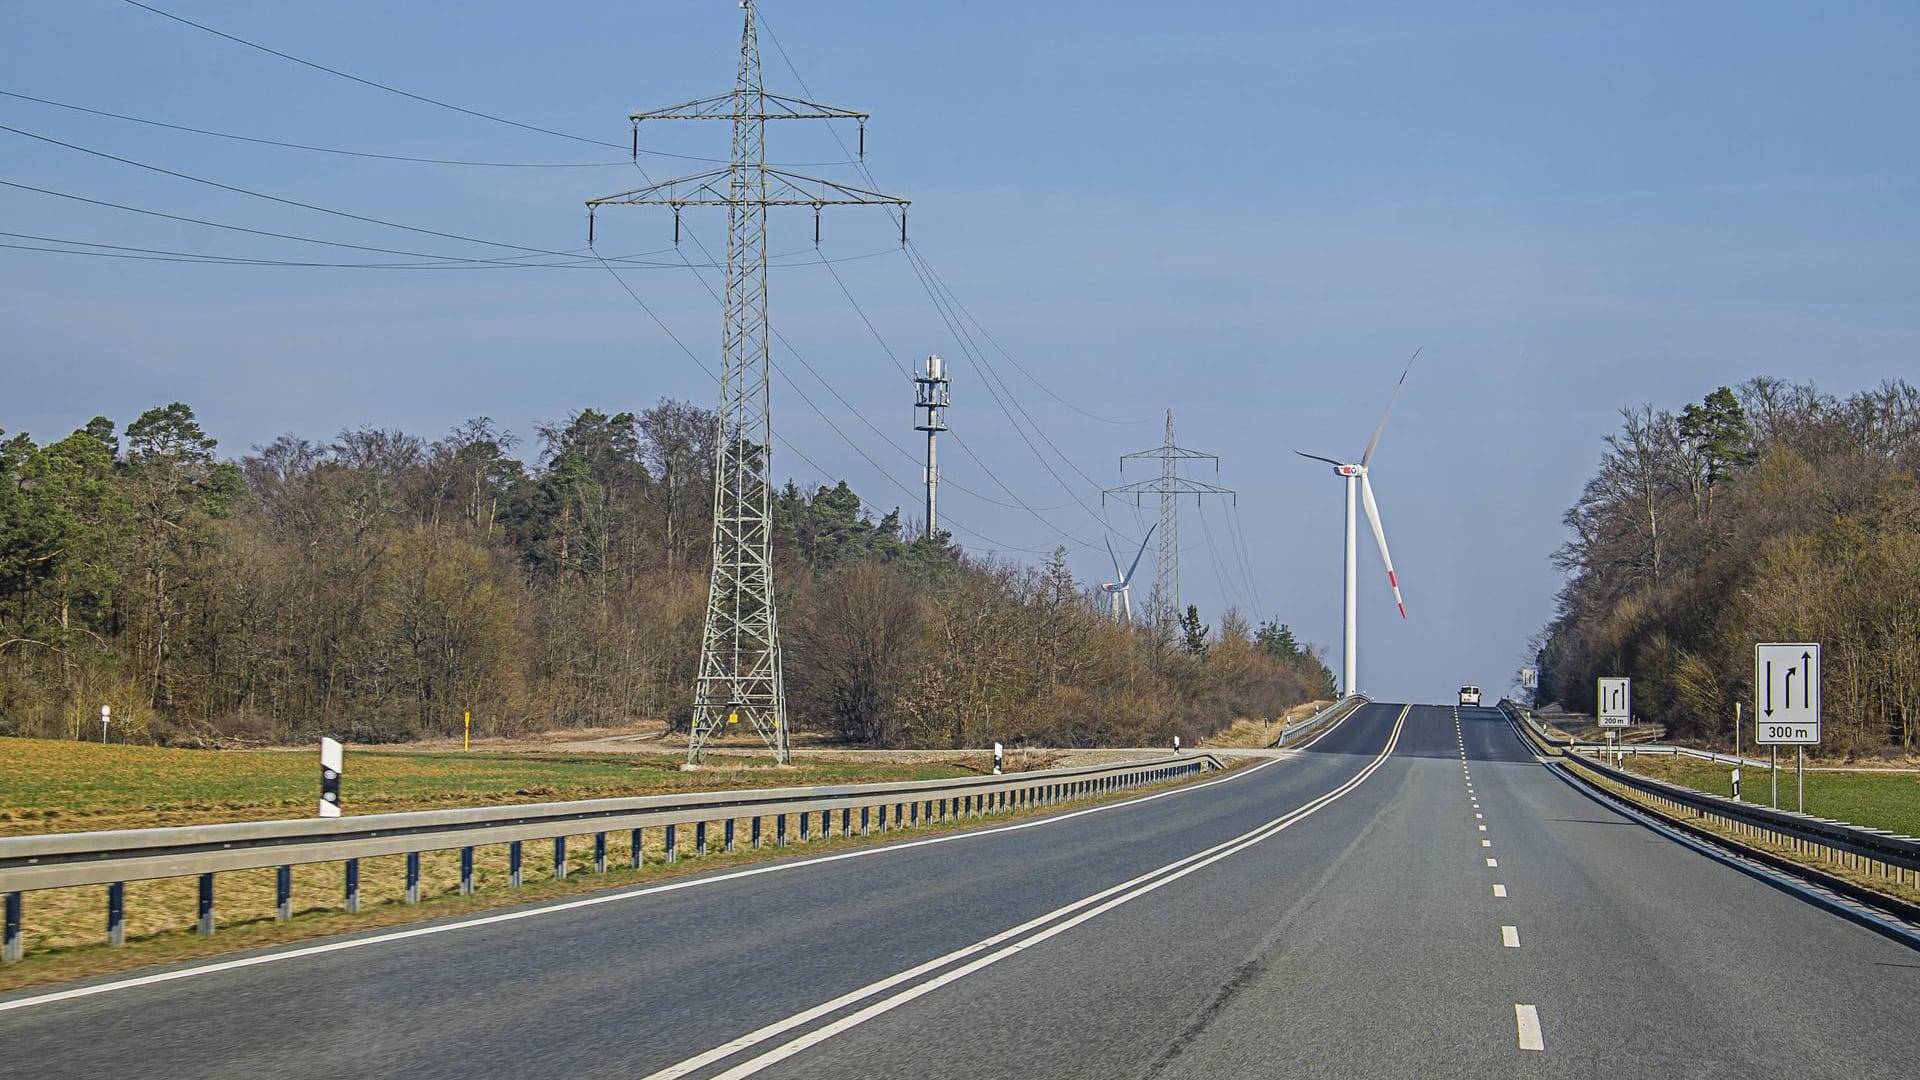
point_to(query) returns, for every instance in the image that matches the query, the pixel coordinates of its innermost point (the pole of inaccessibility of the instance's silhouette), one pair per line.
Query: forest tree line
(1770, 512)
(378, 586)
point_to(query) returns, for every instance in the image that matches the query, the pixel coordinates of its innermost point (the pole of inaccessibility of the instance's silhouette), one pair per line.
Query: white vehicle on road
(1469, 695)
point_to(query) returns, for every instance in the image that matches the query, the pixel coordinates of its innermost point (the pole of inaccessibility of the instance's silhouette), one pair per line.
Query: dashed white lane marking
(1493, 862)
(1510, 936)
(1486, 843)
(1483, 828)
(1500, 892)
(1527, 1019)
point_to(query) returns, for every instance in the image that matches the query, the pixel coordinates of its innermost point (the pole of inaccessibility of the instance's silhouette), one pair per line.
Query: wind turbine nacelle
(1347, 470)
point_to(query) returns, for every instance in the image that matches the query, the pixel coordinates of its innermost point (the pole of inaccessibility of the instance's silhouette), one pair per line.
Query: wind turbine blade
(1317, 457)
(1380, 537)
(1382, 426)
(1127, 579)
(1116, 560)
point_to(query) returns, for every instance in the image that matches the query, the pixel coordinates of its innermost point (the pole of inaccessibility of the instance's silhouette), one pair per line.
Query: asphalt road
(1328, 914)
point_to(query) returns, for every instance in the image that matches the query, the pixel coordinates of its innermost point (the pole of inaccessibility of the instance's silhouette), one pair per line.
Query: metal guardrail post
(10, 941)
(282, 893)
(673, 851)
(413, 877)
(466, 871)
(599, 853)
(636, 851)
(513, 863)
(559, 858)
(353, 885)
(204, 925)
(117, 914)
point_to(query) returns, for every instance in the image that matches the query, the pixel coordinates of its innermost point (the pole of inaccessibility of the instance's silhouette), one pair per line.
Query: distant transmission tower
(932, 392)
(1164, 606)
(740, 675)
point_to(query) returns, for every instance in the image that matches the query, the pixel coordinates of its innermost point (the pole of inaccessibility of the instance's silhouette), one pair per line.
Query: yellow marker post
(466, 735)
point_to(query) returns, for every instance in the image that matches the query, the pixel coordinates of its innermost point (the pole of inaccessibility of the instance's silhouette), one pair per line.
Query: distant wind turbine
(1356, 477)
(1119, 602)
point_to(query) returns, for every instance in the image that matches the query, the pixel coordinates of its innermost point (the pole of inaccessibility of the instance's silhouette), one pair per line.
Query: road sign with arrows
(1786, 693)
(1616, 701)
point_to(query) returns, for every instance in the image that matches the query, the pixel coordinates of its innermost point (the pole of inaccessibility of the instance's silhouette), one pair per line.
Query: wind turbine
(1119, 601)
(1356, 477)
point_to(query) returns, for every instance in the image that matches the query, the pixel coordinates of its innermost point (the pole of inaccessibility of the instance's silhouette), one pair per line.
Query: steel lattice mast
(740, 674)
(1164, 606)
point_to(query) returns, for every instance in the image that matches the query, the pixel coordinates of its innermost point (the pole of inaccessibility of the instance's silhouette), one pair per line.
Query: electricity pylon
(740, 674)
(1164, 606)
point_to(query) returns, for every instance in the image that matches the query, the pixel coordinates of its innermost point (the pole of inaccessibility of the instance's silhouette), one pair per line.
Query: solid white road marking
(1500, 892)
(1510, 936)
(1493, 862)
(884, 1005)
(1527, 1019)
(612, 897)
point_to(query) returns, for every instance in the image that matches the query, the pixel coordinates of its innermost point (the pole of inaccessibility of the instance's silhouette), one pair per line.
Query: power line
(370, 82)
(276, 198)
(513, 260)
(342, 151)
(859, 163)
(318, 149)
(1238, 536)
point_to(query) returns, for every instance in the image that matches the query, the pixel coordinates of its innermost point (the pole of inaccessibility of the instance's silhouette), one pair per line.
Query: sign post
(1616, 701)
(466, 730)
(1786, 701)
(106, 714)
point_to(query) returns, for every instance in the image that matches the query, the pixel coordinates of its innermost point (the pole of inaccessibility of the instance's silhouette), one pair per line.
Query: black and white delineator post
(997, 758)
(1736, 785)
(1176, 744)
(330, 760)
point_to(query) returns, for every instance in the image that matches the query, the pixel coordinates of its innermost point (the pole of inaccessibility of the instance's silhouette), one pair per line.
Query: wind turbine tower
(740, 676)
(1164, 607)
(1356, 477)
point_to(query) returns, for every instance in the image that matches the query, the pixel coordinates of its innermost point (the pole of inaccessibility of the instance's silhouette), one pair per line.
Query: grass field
(56, 786)
(1877, 800)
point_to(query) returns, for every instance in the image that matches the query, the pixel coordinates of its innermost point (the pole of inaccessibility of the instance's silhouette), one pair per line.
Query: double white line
(997, 947)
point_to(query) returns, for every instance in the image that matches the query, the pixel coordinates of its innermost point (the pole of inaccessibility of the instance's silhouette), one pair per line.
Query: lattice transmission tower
(1163, 608)
(740, 677)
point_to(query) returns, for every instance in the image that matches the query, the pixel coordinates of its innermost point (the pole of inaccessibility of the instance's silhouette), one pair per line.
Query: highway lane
(1370, 938)
(619, 989)
(1372, 941)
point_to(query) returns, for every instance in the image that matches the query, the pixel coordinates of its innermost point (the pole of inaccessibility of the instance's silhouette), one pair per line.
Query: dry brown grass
(1257, 734)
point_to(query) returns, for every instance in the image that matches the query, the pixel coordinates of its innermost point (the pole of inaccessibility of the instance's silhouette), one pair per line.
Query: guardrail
(1863, 851)
(1342, 708)
(63, 860)
(1665, 750)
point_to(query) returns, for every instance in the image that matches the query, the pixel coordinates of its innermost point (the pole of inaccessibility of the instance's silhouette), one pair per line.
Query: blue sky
(1248, 213)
